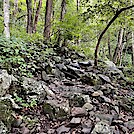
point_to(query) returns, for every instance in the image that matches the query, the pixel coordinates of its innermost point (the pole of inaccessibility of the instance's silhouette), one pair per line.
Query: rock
(102, 128)
(105, 99)
(44, 76)
(86, 63)
(5, 81)
(33, 87)
(74, 122)
(88, 106)
(78, 111)
(97, 93)
(110, 64)
(3, 128)
(107, 117)
(90, 78)
(104, 78)
(48, 91)
(6, 112)
(130, 124)
(86, 130)
(62, 129)
(55, 109)
(76, 100)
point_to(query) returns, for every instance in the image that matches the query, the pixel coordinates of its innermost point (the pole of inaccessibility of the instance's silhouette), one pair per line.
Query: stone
(130, 124)
(102, 128)
(78, 111)
(44, 76)
(104, 78)
(86, 130)
(5, 81)
(6, 112)
(3, 128)
(90, 78)
(97, 93)
(34, 87)
(107, 117)
(55, 109)
(62, 129)
(75, 121)
(88, 106)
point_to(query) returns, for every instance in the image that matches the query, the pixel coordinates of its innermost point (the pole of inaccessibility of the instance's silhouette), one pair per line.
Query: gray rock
(110, 64)
(62, 129)
(44, 76)
(33, 87)
(105, 99)
(107, 117)
(56, 109)
(75, 121)
(5, 81)
(130, 124)
(3, 128)
(97, 93)
(104, 78)
(78, 111)
(86, 130)
(88, 106)
(90, 78)
(102, 128)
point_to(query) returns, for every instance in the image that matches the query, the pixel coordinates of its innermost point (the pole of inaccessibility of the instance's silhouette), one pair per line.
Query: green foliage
(23, 103)
(22, 58)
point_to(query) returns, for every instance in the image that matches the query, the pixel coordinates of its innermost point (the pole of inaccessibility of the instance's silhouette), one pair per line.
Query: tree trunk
(6, 18)
(15, 7)
(47, 27)
(63, 12)
(117, 53)
(29, 17)
(37, 15)
(109, 48)
(132, 48)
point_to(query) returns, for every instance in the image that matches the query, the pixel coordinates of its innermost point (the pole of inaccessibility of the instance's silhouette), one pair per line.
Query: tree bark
(106, 28)
(63, 12)
(15, 7)
(37, 15)
(132, 48)
(6, 18)
(109, 48)
(47, 27)
(117, 53)
(29, 17)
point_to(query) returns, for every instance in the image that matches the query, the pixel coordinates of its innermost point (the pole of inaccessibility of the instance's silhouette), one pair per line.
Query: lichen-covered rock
(56, 110)
(34, 87)
(6, 112)
(102, 128)
(5, 81)
(3, 128)
(90, 79)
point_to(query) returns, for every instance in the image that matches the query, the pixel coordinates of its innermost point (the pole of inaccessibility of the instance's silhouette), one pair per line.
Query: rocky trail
(68, 97)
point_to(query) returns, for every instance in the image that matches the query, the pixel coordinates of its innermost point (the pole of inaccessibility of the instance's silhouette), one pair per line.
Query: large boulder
(5, 81)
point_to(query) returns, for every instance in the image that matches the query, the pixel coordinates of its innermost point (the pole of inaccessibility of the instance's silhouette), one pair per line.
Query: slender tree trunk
(77, 38)
(47, 27)
(63, 12)
(6, 18)
(29, 17)
(132, 48)
(117, 53)
(15, 7)
(37, 15)
(109, 48)
(132, 41)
